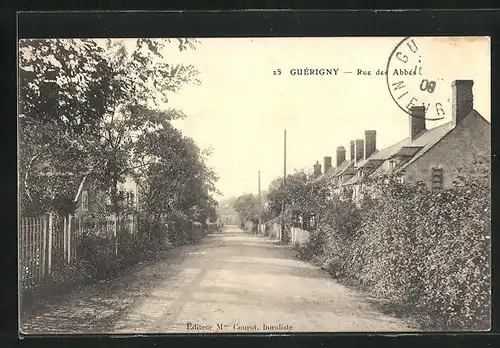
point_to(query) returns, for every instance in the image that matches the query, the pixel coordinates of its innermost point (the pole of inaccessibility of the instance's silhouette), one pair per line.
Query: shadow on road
(229, 274)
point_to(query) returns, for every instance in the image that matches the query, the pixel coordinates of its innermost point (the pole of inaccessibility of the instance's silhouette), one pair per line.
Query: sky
(241, 108)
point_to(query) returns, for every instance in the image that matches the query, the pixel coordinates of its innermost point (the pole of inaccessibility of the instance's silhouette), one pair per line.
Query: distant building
(90, 199)
(437, 157)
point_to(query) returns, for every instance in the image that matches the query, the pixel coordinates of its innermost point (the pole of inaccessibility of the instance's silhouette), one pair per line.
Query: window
(391, 164)
(437, 177)
(85, 200)
(132, 202)
(312, 221)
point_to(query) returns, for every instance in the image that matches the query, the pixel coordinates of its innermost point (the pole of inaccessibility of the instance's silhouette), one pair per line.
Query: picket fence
(51, 240)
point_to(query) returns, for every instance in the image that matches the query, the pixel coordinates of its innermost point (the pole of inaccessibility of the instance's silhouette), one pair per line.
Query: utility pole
(284, 188)
(260, 206)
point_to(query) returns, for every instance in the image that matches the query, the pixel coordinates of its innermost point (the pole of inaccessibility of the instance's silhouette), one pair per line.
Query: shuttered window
(391, 164)
(437, 178)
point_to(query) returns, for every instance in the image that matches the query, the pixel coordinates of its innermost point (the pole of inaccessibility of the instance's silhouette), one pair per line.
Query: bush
(107, 258)
(213, 227)
(424, 249)
(430, 250)
(100, 252)
(131, 249)
(64, 277)
(313, 248)
(195, 232)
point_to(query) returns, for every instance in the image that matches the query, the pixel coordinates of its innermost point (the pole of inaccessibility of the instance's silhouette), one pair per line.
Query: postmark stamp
(414, 78)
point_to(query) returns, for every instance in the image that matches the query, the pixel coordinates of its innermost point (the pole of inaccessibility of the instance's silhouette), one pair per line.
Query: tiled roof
(389, 151)
(380, 155)
(346, 169)
(351, 181)
(413, 149)
(341, 168)
(362, 163)
(333, 171)
(408, 151)
(430, 138)
(405, 147)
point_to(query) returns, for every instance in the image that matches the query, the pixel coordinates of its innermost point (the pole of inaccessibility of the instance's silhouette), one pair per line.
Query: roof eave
(80, 188)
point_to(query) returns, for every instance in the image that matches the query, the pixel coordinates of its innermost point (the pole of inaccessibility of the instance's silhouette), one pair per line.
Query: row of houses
(438, 157)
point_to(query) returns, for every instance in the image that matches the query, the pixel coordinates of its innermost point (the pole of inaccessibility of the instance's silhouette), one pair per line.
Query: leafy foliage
(176, 179)
(98, 108)
(83, 104)
(247, 206)
(427, 250)
(300, 196)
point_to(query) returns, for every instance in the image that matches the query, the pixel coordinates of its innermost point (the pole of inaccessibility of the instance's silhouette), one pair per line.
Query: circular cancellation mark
(413, 77)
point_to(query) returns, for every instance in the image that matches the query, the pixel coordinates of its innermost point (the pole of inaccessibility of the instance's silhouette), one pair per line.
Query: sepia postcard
(254, 185)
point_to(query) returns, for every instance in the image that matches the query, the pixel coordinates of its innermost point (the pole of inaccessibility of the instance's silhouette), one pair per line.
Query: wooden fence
(274, 231)
(51, 240)
(32, 246)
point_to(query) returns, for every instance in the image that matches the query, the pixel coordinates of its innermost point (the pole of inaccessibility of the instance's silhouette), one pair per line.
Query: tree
(247, 207)
(176, 177)
(57, 105)
(81, 104)
(301, 195)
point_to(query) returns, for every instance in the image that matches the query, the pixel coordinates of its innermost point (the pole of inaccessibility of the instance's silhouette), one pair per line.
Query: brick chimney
(340, 155)
(360, 150)
(370, 142)
(327, 163)
(417, 121)
(317, 169)
(352, 150)
(462, 100)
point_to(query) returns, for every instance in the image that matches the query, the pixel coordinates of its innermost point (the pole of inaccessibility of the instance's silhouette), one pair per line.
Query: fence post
(49, 243)
(22, 237)
(65, 237)
(131, 222)
(44, 245)
(115, 233)
(69, 237)
(167, 233)
(30, 250)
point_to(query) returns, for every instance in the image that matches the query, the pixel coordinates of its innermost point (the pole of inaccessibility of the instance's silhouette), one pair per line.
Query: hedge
(426, 250)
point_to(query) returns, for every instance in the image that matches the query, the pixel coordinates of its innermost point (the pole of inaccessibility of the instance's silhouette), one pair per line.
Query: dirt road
(231, 282)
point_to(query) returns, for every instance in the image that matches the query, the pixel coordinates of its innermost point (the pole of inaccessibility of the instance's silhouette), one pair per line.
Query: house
(130, 187)
(438, 157)
(347, 170)
(333, 174)
(90, 199)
